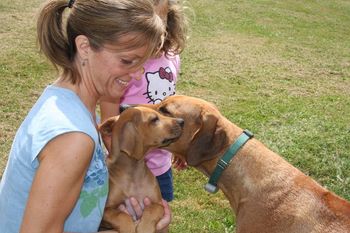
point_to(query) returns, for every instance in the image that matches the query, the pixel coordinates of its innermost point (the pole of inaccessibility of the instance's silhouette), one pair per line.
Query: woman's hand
(135, 209)
(132, 207)
(166, 220)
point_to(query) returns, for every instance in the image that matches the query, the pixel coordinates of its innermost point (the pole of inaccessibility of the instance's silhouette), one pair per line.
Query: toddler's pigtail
(176, 28)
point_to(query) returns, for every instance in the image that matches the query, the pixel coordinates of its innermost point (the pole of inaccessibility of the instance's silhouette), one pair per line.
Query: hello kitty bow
(163, 74)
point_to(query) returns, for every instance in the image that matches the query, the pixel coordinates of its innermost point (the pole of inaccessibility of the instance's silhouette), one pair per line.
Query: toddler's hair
(177, 25)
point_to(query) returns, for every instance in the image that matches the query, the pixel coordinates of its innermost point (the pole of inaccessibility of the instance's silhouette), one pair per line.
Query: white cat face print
(160, 85)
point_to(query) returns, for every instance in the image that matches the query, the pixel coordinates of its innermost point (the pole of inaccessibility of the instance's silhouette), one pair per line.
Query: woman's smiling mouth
(122, 82)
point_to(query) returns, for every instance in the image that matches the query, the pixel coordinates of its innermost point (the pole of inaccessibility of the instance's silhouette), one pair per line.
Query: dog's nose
(123, 107)
(180, 121)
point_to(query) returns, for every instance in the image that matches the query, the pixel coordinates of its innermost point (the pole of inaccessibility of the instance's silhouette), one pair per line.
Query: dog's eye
(164, 111)
(154, 119)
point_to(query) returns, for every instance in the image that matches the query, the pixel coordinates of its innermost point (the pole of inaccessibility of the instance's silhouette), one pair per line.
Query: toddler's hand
(178, 163)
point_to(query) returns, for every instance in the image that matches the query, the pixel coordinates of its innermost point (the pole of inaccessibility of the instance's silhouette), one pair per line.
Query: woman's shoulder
(61, 110)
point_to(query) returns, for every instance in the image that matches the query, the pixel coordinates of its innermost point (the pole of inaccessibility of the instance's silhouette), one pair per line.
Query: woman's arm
(56, 187)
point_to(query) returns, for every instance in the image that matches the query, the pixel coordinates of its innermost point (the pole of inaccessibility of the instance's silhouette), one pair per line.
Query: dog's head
(203, 136)
(139, 129)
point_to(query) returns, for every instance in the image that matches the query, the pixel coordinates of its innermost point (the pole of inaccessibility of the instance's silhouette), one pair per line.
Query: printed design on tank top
(95, 185)
(160, 84)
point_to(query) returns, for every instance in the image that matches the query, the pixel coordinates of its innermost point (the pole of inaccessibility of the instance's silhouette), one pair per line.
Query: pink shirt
(157, 82)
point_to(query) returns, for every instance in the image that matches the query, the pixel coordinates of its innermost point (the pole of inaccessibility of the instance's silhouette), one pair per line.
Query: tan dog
(267, 194)
(133, 133)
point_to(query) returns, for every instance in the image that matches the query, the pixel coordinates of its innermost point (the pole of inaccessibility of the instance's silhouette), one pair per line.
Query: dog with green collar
(267, 194)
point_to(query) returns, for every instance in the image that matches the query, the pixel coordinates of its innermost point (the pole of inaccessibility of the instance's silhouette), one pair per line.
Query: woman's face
(111, 69)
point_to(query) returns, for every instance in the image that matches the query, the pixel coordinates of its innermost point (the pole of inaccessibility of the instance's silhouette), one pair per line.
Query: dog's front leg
(150, 217)
(118, 220)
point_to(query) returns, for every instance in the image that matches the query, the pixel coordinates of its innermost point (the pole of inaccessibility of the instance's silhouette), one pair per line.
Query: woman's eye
(126, 62)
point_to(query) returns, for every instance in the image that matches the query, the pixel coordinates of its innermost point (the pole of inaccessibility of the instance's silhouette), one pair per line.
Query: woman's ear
(83, 46)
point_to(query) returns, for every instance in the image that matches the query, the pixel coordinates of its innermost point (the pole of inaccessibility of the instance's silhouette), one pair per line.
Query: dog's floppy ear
(208, 141)
(130, 141)
(107, 126)
(106, 129)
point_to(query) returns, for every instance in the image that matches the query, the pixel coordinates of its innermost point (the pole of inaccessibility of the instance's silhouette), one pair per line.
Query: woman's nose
(137, 74)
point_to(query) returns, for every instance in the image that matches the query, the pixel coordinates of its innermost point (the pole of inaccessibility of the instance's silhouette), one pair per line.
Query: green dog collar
(225, 160)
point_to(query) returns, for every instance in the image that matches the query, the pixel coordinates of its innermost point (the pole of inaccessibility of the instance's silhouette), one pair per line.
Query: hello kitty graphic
(159, 85)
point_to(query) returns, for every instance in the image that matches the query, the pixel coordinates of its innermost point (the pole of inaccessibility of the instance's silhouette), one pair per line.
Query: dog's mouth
(175, 134)
(166, 142)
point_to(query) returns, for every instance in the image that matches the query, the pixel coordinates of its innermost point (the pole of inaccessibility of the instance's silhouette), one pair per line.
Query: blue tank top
(56, 112)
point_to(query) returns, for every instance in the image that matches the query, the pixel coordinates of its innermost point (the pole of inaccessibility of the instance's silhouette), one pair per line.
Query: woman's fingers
(165, 221)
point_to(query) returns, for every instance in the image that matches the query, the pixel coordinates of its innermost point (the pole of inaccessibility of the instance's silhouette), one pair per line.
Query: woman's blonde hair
(102, 22)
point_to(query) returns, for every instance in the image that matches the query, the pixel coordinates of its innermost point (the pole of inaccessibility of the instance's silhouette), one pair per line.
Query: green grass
(278, 68)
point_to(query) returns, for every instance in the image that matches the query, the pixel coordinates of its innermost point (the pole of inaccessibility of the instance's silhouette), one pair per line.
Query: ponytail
(51, 36)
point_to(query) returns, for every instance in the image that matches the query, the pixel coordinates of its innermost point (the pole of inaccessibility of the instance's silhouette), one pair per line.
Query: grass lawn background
(278, 68)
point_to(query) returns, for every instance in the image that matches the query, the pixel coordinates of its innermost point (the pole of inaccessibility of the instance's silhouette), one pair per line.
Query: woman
(56, 178)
